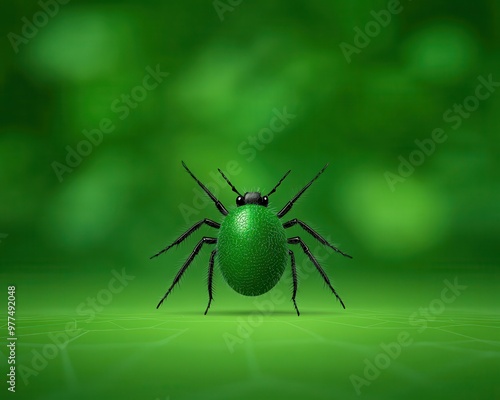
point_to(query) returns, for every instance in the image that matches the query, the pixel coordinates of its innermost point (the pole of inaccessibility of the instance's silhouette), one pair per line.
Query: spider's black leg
(210, 278)
(208, 240)
(229, 182)
(181, 238)
(289, 205)
(279, 183)
(314, 234)
(298, 240)
(218, 204)
(294, 278)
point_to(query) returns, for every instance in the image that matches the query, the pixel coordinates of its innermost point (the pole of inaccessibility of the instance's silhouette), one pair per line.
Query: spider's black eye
(265, 201)
(240, 201)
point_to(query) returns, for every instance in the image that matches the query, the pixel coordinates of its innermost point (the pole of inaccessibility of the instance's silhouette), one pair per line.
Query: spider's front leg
(184, 236)
(194, 253)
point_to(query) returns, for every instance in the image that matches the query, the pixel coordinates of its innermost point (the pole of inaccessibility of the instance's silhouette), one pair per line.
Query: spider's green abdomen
(252, 249)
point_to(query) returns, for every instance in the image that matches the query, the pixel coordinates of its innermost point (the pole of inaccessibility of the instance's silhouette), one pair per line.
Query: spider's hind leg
(298, 240)
(210, 278)
(294, 279)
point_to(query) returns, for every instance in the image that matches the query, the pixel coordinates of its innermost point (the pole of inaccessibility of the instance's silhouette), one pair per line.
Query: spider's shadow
(247, 312)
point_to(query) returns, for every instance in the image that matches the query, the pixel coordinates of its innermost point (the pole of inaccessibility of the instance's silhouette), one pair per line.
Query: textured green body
(252, 249)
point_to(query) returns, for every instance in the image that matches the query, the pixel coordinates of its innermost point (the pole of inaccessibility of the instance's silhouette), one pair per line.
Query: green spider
(252, 247)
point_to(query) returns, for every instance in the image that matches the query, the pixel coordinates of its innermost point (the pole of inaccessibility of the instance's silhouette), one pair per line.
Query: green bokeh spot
(394, 223)
(441, 53)
(80, 44)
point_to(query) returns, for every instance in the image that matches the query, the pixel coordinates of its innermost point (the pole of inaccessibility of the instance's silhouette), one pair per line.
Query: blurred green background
(101, 101)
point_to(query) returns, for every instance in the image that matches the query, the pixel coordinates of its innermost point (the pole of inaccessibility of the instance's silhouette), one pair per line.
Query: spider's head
(252, 198)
